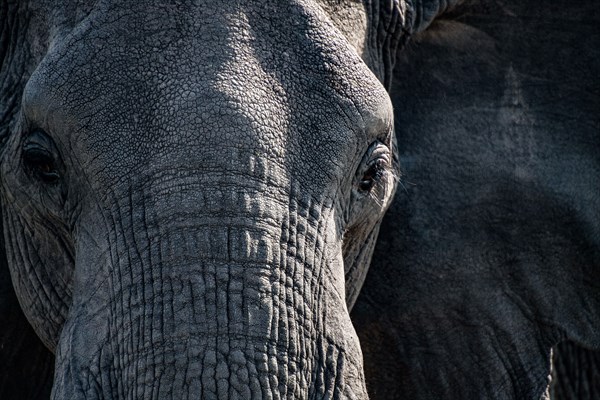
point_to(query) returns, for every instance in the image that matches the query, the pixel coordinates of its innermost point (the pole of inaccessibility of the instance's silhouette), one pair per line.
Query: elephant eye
(38, 158)
(375, 165)
(372, 175)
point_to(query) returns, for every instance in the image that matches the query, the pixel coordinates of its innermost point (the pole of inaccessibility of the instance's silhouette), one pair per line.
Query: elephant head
(191, 191)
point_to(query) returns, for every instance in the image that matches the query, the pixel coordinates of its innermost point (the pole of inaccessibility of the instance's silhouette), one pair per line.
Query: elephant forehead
(167, 83)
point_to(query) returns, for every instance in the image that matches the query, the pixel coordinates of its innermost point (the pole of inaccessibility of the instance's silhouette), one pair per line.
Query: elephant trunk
(213, 304)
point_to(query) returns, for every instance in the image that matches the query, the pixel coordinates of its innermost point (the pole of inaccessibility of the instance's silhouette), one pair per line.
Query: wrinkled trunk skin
(201, 304)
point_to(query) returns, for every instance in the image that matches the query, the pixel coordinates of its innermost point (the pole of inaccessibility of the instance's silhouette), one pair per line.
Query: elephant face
(191, 192)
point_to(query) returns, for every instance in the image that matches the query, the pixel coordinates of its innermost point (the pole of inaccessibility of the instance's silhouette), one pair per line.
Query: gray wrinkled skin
(491, 256)
(191, 191)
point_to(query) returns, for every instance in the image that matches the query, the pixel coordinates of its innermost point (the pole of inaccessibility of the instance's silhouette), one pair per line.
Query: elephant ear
(483, 149)
(387, 27)
(376, 29)
(391, 24)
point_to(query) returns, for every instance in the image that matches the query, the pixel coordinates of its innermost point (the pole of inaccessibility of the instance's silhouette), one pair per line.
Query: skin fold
(192, 191)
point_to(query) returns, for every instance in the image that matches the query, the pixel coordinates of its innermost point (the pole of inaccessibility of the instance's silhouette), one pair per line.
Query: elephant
(192, 192)
(488, 260)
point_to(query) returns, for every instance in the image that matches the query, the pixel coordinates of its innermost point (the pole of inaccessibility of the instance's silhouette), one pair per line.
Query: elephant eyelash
(42, 165)
(40, 162)
(374, 174)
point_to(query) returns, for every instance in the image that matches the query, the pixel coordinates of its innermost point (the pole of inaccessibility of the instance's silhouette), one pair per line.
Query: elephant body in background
(490, 255)
(158, 277)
